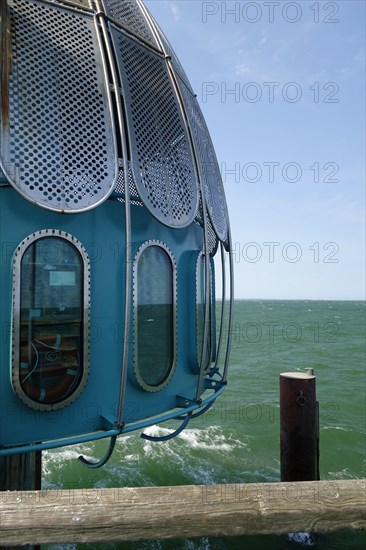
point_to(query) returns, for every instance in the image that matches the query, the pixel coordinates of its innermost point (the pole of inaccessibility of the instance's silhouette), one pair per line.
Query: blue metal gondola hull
(102, 233)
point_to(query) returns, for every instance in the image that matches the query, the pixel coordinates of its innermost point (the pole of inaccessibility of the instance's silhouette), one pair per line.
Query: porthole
(50, 328)
(154, 316)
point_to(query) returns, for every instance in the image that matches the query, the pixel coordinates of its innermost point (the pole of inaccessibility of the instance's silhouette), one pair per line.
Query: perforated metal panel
(161, 158)
(121, 187)
(129, 14)
(208, 165)
(85, 3)
(81, 3)
(209, 169)
(57, 143)
(212, 240)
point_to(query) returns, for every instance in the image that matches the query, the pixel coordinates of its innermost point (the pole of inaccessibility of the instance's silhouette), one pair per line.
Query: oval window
(154, 296)
(203, 355)
(50, 319)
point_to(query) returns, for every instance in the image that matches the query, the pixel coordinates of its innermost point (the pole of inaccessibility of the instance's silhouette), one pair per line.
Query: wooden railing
(92, 515)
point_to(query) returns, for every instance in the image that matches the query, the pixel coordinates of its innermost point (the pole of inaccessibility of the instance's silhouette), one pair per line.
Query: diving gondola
(112, 211)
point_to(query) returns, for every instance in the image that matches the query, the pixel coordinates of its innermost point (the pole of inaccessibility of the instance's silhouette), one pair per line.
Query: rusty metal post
(299, 440)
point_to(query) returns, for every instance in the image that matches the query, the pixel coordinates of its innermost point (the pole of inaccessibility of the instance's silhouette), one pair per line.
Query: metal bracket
(104, 460)
(173, 434)
(212, 384)
(185, 402)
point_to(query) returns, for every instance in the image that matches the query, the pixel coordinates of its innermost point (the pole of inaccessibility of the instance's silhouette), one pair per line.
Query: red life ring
(49, 368)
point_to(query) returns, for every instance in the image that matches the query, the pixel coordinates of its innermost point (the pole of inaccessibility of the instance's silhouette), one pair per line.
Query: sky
(282, 88)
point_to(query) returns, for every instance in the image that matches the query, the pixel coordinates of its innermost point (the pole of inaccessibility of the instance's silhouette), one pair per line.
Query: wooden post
(21, 472)
(299, 440)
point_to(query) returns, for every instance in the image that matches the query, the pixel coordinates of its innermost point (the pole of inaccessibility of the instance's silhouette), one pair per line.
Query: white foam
(302, 538)
(157, 431)
(343, 474)
(203, 544)
(58, 457)
(197, 455)
(335, 428)
(132, 458)
(211, 438)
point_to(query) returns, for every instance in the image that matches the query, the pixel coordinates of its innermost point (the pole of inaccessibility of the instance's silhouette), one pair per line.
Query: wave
(197, 455)
(211, 438)
(304, 539)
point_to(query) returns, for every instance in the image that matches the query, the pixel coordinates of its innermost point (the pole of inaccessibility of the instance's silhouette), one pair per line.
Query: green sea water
(237, 441)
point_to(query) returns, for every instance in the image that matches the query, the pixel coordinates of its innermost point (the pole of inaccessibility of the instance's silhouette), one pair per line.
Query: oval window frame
(198, 349)
(15, 323)
(141, 383)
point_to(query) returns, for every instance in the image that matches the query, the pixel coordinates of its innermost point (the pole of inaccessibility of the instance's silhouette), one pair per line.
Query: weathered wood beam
(91, 515)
